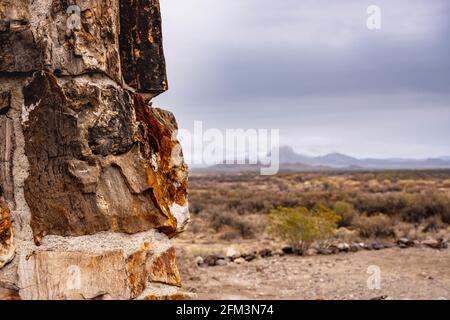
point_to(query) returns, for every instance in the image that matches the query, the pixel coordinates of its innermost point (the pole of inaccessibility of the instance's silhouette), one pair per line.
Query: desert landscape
(301, 153)
(397, 221)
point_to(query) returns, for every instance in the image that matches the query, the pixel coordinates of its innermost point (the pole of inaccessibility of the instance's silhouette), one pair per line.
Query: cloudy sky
(314, 70)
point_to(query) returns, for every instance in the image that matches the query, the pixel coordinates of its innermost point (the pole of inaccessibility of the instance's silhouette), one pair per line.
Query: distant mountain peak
(291, 161)
(341, 160)
(337, 155)
(287, 150)
(289, 156)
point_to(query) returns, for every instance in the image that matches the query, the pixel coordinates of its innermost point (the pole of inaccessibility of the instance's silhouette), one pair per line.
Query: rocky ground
(416, 272)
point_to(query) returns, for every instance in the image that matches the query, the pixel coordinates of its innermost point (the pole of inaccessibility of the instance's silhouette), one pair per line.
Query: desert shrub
(230, 234)
(195, 227)
(423, 206)
(346, 235)
(229, 220)
(406, 230)
(301, 227)
(378, 226)
(252, 205)
(410, 207)
(445, 217)
(346, 211)
(374, 186)
(433, 224)
(195, 207)
(233, 200)
(388, 204)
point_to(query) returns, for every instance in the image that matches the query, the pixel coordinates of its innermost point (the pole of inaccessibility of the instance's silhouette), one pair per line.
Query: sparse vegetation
(376, 226)
(233, 225)
(346, 211)
(369, 204)
(301, 227)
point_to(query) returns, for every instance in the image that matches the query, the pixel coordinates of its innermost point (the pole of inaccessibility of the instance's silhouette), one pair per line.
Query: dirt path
(415, 273)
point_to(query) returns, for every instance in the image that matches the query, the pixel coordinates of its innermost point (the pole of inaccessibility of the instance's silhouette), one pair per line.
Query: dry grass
(235, 206)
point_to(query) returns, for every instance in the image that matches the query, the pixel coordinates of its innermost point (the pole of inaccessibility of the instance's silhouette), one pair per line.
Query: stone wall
(92, 177)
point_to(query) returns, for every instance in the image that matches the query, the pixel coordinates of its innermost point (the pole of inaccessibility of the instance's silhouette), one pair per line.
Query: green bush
(301, 227)
(346, 211)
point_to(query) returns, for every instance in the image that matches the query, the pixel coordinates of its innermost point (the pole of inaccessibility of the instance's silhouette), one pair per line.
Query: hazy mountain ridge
(293, 161)
(339, 160)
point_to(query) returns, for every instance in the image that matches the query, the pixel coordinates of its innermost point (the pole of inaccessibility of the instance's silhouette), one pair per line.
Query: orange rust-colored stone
(168, 180)
(5, 224)
(6, 236)
(7, 294)
(136, 271)
(144, 267)
(177, 296)
(164, 269)
(68, 189)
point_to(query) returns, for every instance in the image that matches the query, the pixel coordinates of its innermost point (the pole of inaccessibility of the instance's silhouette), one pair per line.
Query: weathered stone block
(113, 37)
(94, 166)
(19, 51)
(92, 178)
(141, 49)
(174, 297)
(144, 266)
(164, 268)
(73, 275)
(65, 37)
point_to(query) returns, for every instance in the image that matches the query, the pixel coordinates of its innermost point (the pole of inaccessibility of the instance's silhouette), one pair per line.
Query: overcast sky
(315, 71)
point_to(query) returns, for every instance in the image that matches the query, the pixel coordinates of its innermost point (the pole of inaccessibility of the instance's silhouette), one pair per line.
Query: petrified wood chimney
(92, 178)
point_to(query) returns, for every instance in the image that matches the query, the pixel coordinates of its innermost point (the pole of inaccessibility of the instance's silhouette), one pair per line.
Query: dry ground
(414, 273)
(231, 211)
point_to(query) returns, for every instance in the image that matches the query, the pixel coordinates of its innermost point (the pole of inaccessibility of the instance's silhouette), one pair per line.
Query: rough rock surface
(92, 178)
(6, 236)
(143, 64)
(65, 37)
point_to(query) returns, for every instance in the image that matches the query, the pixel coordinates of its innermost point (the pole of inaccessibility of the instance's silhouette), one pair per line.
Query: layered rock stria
(92, 177)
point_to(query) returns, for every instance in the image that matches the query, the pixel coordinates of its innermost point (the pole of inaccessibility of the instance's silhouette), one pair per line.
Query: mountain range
(339, 160)
(293, 161)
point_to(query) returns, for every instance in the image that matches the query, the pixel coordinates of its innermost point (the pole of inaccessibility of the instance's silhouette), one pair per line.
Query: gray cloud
(314, 70)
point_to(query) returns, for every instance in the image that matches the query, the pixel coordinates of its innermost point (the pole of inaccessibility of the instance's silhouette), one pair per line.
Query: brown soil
(414, 273)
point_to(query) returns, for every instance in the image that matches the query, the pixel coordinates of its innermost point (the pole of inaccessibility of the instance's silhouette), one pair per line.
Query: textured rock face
(18, 49)
(141, 50)
(62, 36)
(99, 160)
(93, 182)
